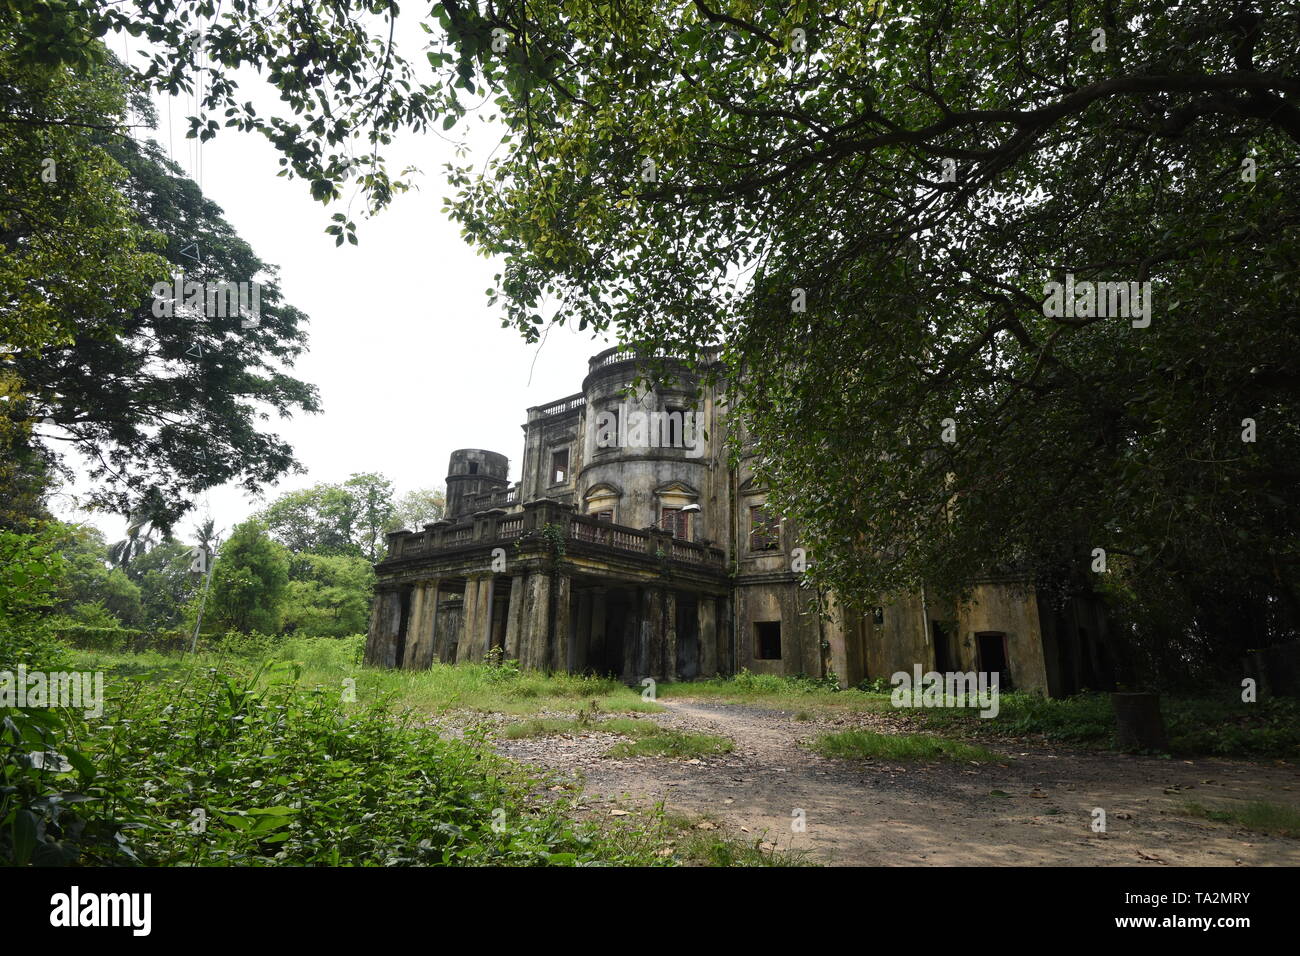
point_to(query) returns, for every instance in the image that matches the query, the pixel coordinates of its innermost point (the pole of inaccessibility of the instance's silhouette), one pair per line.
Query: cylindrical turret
(470, 472)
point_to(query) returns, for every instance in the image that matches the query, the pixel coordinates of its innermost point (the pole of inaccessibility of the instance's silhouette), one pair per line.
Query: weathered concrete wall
(801, 636)
(899, 641)
(1013, 611)
(847, 649)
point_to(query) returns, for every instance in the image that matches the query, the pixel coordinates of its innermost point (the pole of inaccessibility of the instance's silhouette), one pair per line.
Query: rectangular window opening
(764, 530)
(676, 521)
(560, 467)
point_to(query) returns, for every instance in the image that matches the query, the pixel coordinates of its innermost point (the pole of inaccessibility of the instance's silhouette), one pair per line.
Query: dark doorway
(945, 660)
(605, 654)
(767, 640)
(993, 657)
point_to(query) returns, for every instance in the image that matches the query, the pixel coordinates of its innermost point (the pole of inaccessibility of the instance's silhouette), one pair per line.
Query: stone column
(561, 624)
(706, 615)
(469, 626)
(386, 619)
(373, 635)
(534, 634)
(670, 635)
(422, 652)
(650, 660)
(413, 622)
(632, 640)
(515, 617)
(486, 594)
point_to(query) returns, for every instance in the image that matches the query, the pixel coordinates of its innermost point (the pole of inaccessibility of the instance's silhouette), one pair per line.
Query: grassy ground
(443, 688)
(1222, 725)
(647, 737)
(1217, 725)
(864, 744)
(1261, 817)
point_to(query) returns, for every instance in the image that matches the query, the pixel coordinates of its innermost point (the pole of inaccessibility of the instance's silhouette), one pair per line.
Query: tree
(334, 519)
(139, 539)
(418, 507)
(89, 581)
(342, 88)
(373, 495)
(31, 576)
(329, 595)
(63, 194)
(166, 583)
(160, 399)
(869, 208)
(249, 581)
(319, 519)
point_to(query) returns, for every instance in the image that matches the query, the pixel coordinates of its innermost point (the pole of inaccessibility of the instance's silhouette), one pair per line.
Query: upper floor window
(560, 466)
(676, 521)
(606, 515)
(764, 529)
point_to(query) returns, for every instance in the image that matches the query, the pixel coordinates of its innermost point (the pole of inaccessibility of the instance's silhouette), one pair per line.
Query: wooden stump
(1138, 724)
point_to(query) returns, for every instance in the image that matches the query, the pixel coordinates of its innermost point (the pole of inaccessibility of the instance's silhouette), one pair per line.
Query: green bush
(31, 573)
(253, 646)
(324, 653)
(120, 638)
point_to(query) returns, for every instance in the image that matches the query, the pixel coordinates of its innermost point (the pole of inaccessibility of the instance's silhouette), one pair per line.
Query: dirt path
(879, 813)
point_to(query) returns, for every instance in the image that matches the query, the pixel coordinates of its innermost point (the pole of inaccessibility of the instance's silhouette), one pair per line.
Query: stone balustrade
(495, 525)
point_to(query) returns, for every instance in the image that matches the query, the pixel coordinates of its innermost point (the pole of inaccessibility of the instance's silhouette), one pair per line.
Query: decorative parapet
(496, 527)
(562, 406)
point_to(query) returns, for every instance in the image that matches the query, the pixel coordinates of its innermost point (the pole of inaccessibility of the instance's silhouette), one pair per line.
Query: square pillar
(561, 624)
(670, 636)
(413, 622)
(534, 632)
(650, 656)
(422, 652)
(632, 640)
(470, 625)
(386, 621)
(515, 617)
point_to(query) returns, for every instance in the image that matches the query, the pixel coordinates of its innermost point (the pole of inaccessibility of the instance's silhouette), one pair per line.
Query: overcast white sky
(410, 360)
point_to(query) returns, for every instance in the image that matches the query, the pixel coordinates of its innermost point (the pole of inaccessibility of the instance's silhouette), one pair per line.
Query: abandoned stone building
(629, 546)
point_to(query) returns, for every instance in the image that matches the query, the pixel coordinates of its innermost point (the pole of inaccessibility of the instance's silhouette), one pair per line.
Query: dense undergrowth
(223, 760)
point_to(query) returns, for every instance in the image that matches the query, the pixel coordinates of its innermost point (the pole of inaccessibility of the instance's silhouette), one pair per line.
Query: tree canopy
(868, 203)
(882, 210)
(158, 404)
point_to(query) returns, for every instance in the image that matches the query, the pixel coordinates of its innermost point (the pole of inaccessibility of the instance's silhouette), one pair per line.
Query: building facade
(630, 546)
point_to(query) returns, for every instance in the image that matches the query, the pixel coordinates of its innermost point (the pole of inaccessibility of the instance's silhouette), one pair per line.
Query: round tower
(470, 472)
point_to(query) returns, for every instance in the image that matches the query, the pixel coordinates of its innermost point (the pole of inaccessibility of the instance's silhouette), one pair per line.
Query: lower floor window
(767, 640)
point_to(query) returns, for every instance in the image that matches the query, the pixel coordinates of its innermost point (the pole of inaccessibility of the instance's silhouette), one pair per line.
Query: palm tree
(209, 536)
(140, 538)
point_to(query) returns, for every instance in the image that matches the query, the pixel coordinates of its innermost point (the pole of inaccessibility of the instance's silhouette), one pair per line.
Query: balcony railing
(501, 498)
(561, 406)
(495, 525)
